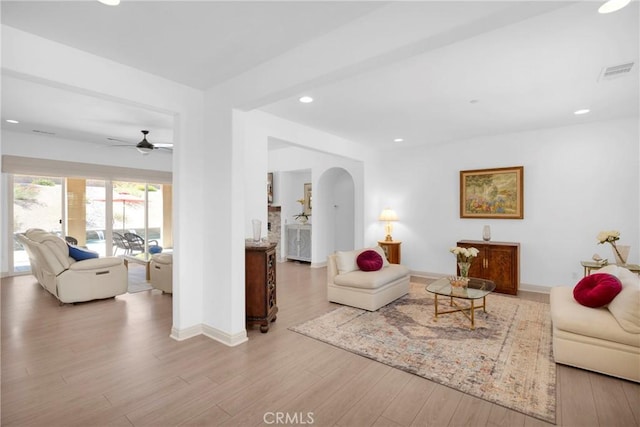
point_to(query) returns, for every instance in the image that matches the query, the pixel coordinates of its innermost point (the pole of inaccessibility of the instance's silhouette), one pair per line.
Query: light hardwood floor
(112, 362)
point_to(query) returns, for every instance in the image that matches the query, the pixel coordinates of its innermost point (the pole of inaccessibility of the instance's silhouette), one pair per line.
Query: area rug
(506, 360)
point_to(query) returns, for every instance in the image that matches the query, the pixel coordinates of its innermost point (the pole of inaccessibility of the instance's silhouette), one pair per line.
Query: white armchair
(161, 271)
(67, 279)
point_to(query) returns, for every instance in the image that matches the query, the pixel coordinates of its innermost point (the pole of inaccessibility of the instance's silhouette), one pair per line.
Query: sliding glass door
(95, 233)
(37, 203)
(138, 209)
(90, 211)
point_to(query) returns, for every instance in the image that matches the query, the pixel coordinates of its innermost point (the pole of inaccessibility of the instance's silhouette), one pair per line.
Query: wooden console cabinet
(260, 285)
(391, 250)
(498, 262)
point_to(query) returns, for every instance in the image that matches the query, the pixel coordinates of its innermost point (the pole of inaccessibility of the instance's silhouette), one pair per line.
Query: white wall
(578, 181)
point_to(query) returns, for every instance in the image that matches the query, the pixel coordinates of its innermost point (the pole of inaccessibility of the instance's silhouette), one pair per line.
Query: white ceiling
(442, 70)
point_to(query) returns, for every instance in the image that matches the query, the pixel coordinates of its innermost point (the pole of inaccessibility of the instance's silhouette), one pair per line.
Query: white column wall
(223, 207)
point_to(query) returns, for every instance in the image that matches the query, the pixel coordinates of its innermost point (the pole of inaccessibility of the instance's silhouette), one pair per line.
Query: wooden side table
(260, 285)
(391, 250)
(590, 266)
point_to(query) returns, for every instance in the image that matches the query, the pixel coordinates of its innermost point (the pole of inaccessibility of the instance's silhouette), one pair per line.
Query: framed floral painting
(492, 193)
(307, 199)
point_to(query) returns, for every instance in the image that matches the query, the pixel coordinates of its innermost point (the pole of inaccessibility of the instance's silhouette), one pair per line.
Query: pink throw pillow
(597, 290)
(369, 261)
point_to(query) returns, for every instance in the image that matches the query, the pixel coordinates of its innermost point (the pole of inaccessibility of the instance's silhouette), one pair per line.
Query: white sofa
(161, 271)
(606, 339)
(67, 279)
(369, 290)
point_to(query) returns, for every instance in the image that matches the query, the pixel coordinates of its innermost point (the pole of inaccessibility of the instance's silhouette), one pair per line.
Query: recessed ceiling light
(398, 140)
(305, 99)
(110, 2)
(583, 111)
(613, 5)
(12, 121)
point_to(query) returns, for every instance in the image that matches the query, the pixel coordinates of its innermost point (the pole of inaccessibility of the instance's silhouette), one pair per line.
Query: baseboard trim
(184, 334)
(423, 277)
(534, 288)
(318, 264)
(209, 332)
(230, 340)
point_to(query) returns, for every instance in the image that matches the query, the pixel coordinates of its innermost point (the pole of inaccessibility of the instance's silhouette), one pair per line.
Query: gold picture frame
(307, 199)
(270, 188)
(492, 193)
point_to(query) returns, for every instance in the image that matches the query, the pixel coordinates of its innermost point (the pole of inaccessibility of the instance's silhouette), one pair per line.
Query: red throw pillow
(597, 290)
(369, 261)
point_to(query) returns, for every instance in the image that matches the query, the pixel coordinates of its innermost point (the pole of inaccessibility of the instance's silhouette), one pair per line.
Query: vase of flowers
(464, 256)
(302, 217)
(620, 252)
(464, 268)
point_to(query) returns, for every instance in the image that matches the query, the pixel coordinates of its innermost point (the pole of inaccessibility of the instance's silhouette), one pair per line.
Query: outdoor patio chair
(120, 242)
(136, 243)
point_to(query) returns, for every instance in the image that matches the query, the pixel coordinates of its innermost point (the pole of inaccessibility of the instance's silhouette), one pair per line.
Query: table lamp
(388, 215)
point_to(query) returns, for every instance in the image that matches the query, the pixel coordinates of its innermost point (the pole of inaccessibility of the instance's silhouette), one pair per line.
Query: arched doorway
(335, 211)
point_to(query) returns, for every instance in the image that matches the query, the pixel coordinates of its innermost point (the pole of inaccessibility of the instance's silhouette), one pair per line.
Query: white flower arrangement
(608, 236)
(464, 254)
(301, 216)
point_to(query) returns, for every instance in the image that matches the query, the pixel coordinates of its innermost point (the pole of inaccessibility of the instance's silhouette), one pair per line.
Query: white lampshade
(388, 214)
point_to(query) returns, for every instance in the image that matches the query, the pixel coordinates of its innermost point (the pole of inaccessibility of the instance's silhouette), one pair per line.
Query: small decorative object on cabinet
(299, 242)
(260, 285)
(391, 250)
(498, 262)
(256, 224)
(486, 233)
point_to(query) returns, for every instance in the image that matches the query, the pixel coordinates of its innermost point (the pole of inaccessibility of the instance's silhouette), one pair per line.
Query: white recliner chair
(161, 271)
(67, 279)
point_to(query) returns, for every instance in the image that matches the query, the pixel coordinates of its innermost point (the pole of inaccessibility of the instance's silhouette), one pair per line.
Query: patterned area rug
(506, 360)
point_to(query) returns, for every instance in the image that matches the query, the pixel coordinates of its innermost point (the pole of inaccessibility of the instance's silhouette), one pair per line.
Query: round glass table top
(476, 288)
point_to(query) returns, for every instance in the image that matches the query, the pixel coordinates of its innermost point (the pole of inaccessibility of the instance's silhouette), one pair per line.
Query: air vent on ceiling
(615, 71)
(43, 132)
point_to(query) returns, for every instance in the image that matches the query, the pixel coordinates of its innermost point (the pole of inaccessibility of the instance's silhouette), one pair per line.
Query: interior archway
(336, 212)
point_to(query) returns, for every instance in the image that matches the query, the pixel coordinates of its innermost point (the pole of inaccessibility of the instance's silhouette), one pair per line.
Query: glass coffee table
(141, 258)
(476, 289)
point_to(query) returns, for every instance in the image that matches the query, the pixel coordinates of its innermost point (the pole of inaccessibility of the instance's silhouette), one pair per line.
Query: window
(79, 208)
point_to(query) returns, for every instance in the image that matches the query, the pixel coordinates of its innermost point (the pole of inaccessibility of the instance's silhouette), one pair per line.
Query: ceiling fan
(144, 146)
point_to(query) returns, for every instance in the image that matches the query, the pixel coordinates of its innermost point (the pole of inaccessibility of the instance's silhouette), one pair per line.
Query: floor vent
(609, 73)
